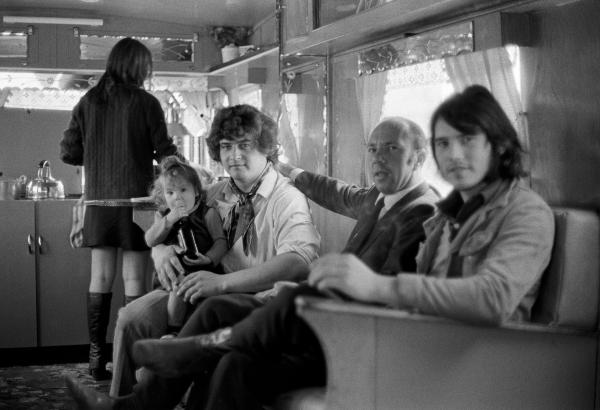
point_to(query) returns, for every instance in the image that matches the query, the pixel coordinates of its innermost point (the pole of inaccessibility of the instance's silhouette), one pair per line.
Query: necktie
(363, 230)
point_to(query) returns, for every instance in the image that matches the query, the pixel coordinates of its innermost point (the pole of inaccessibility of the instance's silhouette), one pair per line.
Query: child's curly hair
(174, 167)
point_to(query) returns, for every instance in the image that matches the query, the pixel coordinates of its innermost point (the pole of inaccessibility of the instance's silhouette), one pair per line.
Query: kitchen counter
(144, 203)
(143, 208)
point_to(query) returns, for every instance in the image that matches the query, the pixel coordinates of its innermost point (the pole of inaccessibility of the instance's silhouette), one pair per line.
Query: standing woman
(116, 130)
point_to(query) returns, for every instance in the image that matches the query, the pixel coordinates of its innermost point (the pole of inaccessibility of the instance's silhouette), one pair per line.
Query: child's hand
(177, 212)
(200, 259)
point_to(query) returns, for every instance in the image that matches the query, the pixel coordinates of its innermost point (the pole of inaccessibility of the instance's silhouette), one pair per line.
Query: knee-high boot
(98, 311)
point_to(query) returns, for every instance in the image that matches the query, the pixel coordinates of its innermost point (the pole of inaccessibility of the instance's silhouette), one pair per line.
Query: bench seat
(379, 358)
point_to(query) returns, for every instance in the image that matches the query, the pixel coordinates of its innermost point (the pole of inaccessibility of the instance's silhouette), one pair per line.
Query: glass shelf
(246, 58)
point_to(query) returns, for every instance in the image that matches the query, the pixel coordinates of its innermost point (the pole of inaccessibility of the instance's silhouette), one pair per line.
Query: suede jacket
(504, 247)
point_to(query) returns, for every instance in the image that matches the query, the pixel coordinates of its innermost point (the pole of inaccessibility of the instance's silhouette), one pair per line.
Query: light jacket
(505, 246)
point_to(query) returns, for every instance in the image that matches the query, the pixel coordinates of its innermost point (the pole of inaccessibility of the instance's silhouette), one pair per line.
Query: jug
(44, 186)
(7, 188)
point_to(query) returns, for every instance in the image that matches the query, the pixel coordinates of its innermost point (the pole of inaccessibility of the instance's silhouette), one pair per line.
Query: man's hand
(168, 267)
(285, 169)
(200, 284)
(349, 275)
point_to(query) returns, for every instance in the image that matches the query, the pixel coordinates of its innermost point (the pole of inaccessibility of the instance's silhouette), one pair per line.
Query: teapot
(44, 186)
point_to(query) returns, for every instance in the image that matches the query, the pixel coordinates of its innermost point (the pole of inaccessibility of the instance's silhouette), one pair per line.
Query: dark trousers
(155, 392)
(272, 351)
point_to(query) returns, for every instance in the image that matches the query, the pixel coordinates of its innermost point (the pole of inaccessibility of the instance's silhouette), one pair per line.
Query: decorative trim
(449, 41)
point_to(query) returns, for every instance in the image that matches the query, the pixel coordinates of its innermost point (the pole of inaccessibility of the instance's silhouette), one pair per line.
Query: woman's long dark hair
(129, 63)
(476, 110)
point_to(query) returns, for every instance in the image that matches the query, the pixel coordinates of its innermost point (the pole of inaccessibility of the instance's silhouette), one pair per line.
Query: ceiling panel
(188, 12)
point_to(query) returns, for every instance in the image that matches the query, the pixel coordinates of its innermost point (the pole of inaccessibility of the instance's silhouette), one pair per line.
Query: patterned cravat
(240, 221)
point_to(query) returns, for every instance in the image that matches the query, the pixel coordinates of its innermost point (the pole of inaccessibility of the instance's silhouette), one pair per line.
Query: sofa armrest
(379, 358)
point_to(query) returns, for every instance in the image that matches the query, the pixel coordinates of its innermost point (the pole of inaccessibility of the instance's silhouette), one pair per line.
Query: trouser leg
(245, 382)
(98, 313)
(216, 312)
(155, 392)
(145, 317)
(276, 328)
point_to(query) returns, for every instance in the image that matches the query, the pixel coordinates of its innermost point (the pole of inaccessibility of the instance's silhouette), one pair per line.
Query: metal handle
(30, 243)
(40, 242)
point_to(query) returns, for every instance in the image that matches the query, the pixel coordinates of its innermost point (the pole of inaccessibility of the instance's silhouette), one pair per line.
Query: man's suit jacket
(388, 245)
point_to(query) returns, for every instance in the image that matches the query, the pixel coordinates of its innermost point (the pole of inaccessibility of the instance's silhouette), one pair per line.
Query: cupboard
(43, 281)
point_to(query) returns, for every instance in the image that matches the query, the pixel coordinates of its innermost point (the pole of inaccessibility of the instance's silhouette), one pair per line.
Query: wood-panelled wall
(562, 97)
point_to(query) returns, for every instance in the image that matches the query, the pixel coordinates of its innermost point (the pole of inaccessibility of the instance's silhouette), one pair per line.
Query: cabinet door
(63, 277)
(18, 325)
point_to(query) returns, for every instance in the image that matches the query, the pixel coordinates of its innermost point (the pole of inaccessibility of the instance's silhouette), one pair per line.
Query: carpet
(43, 387)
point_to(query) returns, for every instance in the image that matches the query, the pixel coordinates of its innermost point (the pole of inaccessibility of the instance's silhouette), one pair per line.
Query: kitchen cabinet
(15, 46)
(18, 302)
(58, 46)
(44, 281)
(63, 277)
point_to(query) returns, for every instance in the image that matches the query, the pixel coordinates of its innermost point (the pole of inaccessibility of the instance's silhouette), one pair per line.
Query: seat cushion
(570, 286)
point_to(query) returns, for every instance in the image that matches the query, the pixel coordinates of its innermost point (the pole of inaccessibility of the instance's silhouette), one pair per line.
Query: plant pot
(229, 53)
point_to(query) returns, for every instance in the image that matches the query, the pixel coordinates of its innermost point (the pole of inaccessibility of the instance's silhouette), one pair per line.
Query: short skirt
(114, 227)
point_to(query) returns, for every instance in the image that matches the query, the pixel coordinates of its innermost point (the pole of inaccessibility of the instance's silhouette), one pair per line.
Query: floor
(42, 386)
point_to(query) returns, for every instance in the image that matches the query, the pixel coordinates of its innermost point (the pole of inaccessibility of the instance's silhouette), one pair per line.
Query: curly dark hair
(174, 167)
(476, 110)
(235, 122)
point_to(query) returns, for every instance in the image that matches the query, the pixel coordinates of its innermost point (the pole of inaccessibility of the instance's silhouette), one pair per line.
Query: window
(414, 92)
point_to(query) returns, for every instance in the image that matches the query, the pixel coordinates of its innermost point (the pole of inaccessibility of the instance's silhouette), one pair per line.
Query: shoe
(87, 398)
(180, 356)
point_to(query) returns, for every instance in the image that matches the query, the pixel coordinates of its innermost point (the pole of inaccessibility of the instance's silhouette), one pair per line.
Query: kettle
(44, 186)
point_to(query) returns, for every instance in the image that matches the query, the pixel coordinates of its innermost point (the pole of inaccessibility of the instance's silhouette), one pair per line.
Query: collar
(264, 190)
(392, 199)
(453, 203)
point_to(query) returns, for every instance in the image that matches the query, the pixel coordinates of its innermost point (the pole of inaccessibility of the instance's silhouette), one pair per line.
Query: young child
(183, 218)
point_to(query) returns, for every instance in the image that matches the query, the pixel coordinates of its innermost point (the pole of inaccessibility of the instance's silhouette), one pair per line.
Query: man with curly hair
(269, 232)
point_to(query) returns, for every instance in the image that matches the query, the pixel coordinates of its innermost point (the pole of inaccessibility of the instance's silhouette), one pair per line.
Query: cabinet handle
(40, 242)
(30, 243)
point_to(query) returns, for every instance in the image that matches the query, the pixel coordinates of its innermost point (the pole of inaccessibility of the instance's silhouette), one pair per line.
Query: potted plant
(228, 39)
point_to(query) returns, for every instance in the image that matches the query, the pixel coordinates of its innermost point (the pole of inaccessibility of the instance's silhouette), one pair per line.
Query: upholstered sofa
(379, 358)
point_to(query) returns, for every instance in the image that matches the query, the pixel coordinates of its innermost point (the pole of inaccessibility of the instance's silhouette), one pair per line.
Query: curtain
(493, 69)
(195, 117)
(286, 133)
(370, 92)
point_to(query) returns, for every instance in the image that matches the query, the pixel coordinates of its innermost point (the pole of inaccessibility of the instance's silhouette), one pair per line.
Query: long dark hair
(476, 110)
(234, 122)
(129, 63)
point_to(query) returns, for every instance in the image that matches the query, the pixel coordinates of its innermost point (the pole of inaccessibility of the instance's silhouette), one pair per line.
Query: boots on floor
(98, 311)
